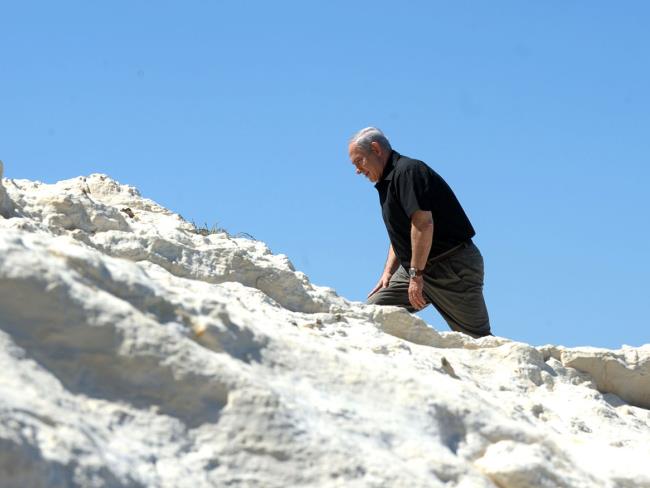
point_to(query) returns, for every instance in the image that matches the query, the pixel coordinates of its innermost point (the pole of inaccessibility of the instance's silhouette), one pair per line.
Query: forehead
(354, 151)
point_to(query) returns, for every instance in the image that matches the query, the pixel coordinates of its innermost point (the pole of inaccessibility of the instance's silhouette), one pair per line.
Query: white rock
(513, 464)
(625, 372)
(136, 352)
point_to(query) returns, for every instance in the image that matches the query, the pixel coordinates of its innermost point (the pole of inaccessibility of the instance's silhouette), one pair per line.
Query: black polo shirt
(408, 185)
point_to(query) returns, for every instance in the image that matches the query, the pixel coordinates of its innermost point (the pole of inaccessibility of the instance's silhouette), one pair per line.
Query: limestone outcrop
(137, 352)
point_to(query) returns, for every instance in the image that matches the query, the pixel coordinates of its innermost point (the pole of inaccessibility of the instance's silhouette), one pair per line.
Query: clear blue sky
(237, 113)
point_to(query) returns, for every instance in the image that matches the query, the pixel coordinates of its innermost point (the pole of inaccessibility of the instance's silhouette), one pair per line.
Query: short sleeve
(413, 185)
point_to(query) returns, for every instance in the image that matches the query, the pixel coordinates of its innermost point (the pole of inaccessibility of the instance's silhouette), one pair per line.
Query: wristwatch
(413, 272)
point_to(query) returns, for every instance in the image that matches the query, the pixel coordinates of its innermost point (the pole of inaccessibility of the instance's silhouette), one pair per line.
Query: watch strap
(415, 272)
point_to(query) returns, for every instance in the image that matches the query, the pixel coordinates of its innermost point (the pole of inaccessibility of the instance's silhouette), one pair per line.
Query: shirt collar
(389, 169)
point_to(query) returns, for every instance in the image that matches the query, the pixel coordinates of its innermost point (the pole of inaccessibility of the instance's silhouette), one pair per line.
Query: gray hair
(365, 137)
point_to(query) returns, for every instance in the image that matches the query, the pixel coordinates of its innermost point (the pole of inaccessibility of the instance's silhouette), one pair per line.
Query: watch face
(413, 272)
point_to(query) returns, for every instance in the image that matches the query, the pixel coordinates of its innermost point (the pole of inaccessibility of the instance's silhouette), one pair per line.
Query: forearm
(391, 262)
(421, 238)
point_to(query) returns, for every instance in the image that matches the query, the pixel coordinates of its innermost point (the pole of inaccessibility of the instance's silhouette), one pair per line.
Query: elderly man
(431, 258)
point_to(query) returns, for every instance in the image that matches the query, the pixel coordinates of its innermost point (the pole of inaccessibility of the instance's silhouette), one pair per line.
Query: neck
(386, 158)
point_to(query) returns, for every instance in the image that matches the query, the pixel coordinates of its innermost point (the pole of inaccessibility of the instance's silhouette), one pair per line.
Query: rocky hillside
(135, 351)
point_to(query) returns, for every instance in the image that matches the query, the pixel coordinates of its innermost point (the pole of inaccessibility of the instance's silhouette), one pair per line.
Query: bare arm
(421, 238)
(391, 262)
(390, 267)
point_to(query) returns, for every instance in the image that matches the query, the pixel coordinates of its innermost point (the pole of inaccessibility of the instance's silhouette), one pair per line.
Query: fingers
(417, 304)
(383, 283)
(416, 298)
(375, 289)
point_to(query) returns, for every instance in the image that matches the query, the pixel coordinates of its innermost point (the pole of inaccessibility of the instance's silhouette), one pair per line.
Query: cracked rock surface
(136, 352)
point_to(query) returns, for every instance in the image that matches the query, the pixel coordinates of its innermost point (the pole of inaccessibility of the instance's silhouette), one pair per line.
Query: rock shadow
(83, 352)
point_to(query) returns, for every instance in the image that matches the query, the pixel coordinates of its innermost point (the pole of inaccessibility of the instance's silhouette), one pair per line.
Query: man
(431, 258)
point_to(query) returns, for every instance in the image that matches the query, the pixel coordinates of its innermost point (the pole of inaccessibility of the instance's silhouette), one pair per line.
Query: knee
(387, 300)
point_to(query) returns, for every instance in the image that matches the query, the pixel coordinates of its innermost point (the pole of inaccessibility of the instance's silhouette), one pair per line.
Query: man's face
(369, 164)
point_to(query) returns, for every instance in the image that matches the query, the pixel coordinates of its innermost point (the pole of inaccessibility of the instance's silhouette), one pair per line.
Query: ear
(376, 148)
